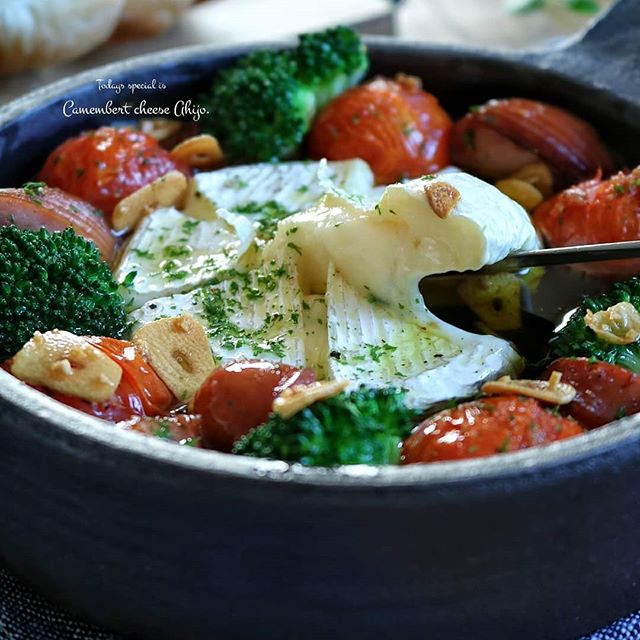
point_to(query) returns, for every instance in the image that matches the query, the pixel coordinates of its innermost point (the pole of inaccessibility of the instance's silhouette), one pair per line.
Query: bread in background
(35, 33)
(150, 17)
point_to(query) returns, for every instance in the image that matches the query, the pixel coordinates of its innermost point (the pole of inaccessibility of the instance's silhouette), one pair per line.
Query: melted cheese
(348, 302)
(385, 251)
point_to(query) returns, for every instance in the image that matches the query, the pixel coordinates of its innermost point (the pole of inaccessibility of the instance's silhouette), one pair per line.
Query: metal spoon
(554, 256)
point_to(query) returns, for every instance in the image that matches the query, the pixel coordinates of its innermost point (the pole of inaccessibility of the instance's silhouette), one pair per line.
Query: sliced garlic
(200, 152)
(524, 193)
(442, 198)
(160, 128)
(166, 191)
(179, 352)
(552, 391)
(301, 396)
(619, 324)
(539, 175)
(64, 362)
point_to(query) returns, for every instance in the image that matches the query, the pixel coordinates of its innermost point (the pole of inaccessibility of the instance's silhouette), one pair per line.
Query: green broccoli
(330, 62)
(54, 280)
(258, 110)
(575, 339)
(365, 426)
(262, 106)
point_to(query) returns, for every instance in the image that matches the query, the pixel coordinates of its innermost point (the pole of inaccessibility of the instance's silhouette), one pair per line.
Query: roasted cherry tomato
(155, 397)
(500, 137)
(181, 428)
(37, 205)
(106, 165)
(481, 428)
(592, 212)
(124, 404)
(400, 130)
(238, 396)
(604, 392)
(140, 392)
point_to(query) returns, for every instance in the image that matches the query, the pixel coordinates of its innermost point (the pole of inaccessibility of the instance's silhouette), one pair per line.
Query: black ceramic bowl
(164, 542)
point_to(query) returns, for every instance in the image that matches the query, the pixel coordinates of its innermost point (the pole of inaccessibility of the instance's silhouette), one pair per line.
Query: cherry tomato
(106, 165)
(500, 137)
(400, 130)
(604, 392)
(180, 428)
(124, 404)
(154, 397)
(481, 428)
(592, 212)
(41, 206)
(238, 396)
(140, 392)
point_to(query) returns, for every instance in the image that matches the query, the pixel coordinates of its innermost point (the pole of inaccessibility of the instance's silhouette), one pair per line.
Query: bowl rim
(85, 429)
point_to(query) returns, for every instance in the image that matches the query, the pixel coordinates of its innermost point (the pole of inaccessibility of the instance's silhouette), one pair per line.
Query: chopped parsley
(147, 255)
(189, 225)
(219, 307)
(295, 247)
(34, 190)
(171, 270)
(504, 446)
(235, 183)
(176, 251)
(163, 430)
(376, 351)
(266, 214)
(469, 139)
(129, 278)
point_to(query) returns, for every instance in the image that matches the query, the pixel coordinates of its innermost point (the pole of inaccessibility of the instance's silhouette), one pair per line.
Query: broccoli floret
(54, 280)
(364, 426)
(258, 110)
(575, 339)
(330, 62)
(262, 106)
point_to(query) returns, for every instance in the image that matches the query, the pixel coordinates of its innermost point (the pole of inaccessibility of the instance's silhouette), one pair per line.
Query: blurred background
(41, 40)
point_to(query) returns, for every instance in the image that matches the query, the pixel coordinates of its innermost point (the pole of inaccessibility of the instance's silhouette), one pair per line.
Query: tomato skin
(56, 210)
(484, 427)
(592, 212)
(124, 404)
(570, 147)
(181, 428)
(106, 165)
(481, 150)
(238, 396)
(153, 396)
(140, 392)
(604, 392)
(400, 130)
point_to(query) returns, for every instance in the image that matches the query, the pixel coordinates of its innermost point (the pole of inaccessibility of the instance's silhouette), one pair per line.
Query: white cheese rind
(380, 345)
(254, 315)
(365, 264)
(294, 186)
(171, 253)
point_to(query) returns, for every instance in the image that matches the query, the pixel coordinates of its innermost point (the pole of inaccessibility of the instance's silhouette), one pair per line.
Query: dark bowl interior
(458, 79)
(166, 543)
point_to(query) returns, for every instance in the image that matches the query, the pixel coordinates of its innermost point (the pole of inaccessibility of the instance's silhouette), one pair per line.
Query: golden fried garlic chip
(552, 391)
(64, 362)
(619, 324)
